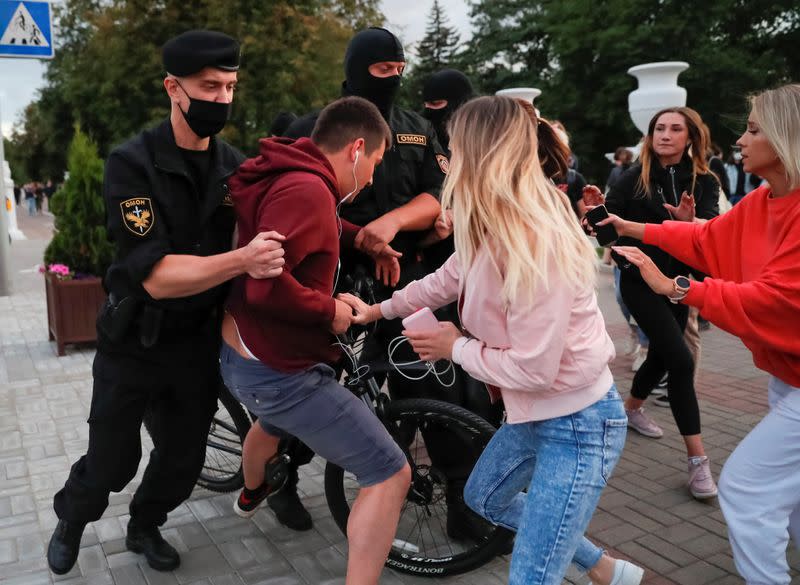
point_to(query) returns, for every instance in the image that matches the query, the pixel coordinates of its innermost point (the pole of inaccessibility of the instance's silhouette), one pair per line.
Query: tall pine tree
(438, 49)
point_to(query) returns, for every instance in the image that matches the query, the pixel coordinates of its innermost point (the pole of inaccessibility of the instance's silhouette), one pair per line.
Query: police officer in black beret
(398, 209)
(171, 219)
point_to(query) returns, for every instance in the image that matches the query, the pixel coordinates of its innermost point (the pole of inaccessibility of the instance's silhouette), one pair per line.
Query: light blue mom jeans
(564, 463)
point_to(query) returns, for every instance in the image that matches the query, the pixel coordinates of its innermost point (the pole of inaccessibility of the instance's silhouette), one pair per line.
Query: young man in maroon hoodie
(280, 334)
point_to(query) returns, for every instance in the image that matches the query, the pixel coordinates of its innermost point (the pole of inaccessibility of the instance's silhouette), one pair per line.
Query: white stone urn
(658, 89)
(524, 93)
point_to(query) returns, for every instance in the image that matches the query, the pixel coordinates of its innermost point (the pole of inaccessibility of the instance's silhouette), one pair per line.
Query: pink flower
(62, 270)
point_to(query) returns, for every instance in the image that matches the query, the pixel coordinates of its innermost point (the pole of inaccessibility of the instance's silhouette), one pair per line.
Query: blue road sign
(26, 29)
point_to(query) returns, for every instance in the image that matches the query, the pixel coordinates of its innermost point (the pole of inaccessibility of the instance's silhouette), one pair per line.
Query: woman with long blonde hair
(752, 257)
(523, 274)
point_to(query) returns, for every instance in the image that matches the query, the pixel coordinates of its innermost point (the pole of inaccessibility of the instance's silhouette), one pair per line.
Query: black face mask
(439, 120)
(381, 91)
(206, 118)
(450, 85)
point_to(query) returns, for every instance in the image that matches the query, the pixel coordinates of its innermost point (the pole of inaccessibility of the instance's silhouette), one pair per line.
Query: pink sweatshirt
(549, 358)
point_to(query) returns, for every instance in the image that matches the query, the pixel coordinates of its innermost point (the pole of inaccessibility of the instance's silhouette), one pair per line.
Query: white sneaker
(626, 573)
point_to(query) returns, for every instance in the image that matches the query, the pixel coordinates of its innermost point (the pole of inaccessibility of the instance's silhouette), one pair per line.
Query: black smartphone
(605, 234)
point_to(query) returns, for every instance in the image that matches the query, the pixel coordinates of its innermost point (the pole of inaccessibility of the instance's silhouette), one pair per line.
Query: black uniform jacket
(153, 208)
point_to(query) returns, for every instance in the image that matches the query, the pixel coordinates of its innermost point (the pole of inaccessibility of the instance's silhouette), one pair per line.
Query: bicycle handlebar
(363, 284)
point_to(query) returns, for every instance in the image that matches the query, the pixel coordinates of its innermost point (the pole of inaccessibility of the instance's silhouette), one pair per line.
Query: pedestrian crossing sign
(26, 29)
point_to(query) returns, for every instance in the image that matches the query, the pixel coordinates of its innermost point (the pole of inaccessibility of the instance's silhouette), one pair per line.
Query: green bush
(80, 240)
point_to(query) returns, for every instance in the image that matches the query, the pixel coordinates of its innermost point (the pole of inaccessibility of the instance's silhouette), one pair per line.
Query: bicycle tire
(222, 469)
(426, 411)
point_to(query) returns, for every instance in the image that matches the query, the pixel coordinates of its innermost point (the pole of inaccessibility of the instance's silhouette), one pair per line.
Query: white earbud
(355, 180)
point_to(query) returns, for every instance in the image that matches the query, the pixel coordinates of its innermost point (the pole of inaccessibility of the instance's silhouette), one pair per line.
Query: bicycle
(424, 544)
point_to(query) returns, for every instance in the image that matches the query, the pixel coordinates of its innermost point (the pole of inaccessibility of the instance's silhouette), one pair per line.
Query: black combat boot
(147, 540)
(62, 552)
(287, 506)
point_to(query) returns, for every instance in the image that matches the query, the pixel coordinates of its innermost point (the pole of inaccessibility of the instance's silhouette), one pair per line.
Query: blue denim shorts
(312, 406)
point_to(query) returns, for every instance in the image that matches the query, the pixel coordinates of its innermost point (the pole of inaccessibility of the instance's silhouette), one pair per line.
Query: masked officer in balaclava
(398, 209)
(444, 92)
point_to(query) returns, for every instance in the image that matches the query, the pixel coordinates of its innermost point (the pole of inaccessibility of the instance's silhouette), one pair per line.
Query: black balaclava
(369, 46)
(281, 123)
(450, 85)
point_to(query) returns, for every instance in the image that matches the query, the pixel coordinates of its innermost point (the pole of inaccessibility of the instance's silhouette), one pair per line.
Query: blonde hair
(777, 112)
(500, 196)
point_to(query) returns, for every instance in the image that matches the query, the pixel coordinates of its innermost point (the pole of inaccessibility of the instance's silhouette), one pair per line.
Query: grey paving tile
(232, 579)
(154, 577)
(122, 559)
(194, 535)
(35, 578)
(104, 578)
(30, 546)
(202, 562)
(92, 560)
(8, 551)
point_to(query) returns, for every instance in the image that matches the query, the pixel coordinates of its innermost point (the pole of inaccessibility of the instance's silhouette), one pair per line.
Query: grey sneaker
(626, 573)
(701, 482)
(643, 424)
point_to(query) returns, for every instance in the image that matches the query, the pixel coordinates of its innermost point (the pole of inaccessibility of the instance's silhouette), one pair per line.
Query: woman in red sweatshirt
(752, 257)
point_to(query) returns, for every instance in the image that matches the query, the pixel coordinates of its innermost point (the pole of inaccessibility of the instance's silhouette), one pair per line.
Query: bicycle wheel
(222, 470)
(424, 544)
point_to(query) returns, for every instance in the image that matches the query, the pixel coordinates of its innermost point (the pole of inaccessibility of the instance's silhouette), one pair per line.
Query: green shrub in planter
(80, 240)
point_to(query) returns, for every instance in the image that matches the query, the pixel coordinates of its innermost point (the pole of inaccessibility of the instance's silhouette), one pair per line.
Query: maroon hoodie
(290, 187)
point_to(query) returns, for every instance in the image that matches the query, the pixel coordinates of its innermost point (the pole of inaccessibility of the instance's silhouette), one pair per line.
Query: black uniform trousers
(180, 399)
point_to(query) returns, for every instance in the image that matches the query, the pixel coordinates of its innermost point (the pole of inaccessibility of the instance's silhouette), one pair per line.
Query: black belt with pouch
(116, 316)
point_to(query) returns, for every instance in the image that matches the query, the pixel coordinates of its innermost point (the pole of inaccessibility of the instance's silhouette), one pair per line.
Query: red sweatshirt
(752, 254)
(290, 187)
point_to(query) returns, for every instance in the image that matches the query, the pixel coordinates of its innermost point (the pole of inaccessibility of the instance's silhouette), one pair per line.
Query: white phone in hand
(422, 320)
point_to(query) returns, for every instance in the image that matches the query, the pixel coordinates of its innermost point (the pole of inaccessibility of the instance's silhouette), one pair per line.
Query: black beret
(193, 51)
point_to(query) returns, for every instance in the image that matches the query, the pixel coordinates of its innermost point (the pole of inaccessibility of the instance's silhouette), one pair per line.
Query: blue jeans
(564, 463)
(643, 341)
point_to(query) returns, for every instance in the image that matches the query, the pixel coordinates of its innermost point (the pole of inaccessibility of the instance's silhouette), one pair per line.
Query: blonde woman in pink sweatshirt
(524, 276)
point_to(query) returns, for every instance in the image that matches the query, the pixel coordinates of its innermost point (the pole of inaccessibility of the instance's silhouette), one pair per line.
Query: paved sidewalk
(645, 514)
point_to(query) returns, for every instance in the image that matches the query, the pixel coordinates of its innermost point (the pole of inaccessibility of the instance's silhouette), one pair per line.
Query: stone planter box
(72, 307)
